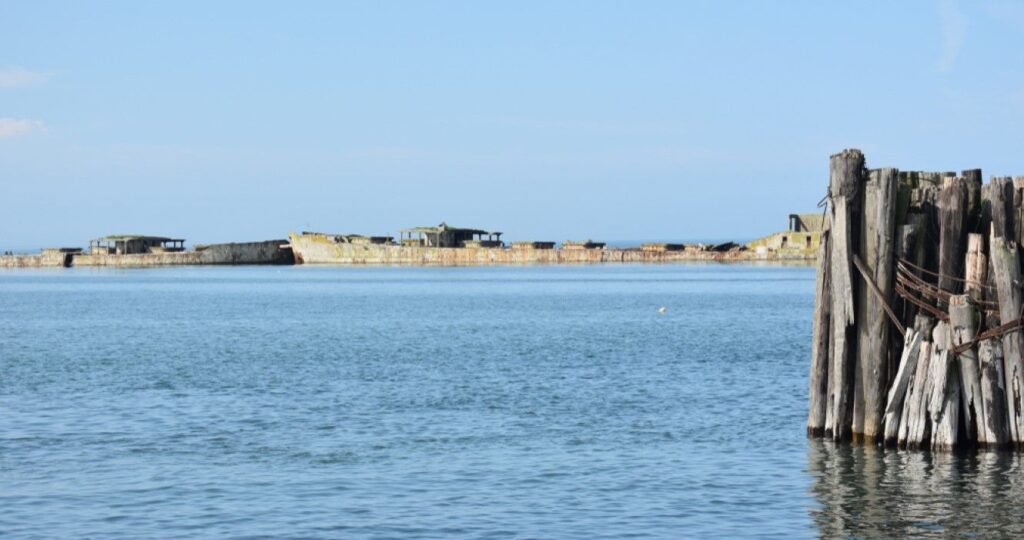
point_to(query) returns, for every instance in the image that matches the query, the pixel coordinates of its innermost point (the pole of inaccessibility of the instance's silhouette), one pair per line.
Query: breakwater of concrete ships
(319, 248)
(440, 245)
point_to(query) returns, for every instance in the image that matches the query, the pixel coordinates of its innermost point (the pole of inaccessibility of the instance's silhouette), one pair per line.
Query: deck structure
(133, 244)
(446, 236)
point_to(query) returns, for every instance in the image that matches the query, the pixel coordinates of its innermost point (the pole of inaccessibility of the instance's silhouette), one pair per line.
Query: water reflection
(865, 491)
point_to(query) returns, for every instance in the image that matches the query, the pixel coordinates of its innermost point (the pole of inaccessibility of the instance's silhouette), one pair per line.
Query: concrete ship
(445, 245)
(129, 250)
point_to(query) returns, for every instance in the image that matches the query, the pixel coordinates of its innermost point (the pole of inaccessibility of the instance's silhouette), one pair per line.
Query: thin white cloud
(10, 127)
(15, 77)
(954, 33)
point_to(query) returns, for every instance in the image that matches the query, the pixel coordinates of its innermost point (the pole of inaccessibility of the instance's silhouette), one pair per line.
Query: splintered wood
(917, 330)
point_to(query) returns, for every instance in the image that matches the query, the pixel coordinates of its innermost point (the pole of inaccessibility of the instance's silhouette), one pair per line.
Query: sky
(553, 120)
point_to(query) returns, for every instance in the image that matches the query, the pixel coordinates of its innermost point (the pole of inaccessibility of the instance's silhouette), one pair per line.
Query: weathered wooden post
(909, 239)
(876, 249)
(1017, 188)
(990, 359)
(944, 399)
(963, 322)
(975, 215)
(1007, 277)
(1000, 194)
(901, 385)
(1007, 274)
(913, 424)
(846, 178)
(929, 203)
(822, 331)
(952, 219)
(975, 268)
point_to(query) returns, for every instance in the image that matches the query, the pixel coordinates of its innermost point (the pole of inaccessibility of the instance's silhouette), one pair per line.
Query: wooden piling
(963, 327)
(909, 247)
(876, 250)
(975, 215)
(818, 379)
(952, 221)
(944, 396)
(1000, 195)
(911, 421)
(847, 172)
(1017, 184)
(915, 425)
(990, 360)
(1007, 276)
(901, 386)
(975, 268)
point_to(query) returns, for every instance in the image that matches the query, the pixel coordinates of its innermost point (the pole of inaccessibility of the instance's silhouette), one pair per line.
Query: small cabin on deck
(662, 246)
(533, 244)
(353, 238)
(127, 244)
(585, 244)
(446, 236)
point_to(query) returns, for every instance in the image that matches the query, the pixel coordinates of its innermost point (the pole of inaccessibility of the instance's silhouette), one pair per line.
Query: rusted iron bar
(990, 333)
(924, 286)
(924, 290)
(915, 283)
(917, 287)
(938, 275)
(878, 292)
(932, 310)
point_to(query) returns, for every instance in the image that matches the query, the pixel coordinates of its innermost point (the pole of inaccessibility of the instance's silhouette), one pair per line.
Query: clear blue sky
(223, 121)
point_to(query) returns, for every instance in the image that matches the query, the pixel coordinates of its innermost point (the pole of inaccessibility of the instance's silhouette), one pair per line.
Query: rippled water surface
(538, 402)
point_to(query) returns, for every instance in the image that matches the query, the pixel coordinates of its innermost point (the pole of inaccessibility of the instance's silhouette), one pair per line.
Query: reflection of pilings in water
(865, 491)
(847, 506)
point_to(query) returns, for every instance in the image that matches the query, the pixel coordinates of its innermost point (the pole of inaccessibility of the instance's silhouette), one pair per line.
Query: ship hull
(324, 249)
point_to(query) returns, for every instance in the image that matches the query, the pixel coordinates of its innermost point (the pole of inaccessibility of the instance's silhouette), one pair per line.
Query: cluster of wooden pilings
(917, 339)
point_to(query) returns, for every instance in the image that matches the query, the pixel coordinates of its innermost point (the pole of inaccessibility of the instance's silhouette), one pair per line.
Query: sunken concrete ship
(445, 245)
(134, 250)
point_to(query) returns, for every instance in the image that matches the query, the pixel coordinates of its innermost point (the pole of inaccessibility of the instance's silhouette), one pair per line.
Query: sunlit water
(534, 402)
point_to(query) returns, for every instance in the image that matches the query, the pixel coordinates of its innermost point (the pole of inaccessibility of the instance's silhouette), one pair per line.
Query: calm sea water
(537, 402)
